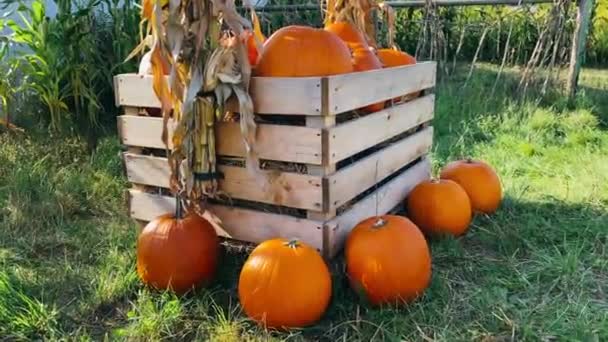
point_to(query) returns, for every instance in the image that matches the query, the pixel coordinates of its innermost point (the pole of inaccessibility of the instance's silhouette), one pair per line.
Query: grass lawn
(536, 270)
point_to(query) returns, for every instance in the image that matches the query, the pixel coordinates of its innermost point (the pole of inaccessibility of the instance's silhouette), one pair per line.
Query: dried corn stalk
(203, 42)
(360, 13)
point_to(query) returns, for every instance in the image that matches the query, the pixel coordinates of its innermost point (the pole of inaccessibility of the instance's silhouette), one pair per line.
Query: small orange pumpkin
(479, 181)
(302, 51)
(177, 253)
(440, 207)
(284, 284)
(394, 58)
(349, 34)
(363, 60)
(388, 259)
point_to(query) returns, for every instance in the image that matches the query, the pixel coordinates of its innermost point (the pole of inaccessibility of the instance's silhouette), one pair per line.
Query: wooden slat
(275, 142)
(298, 96)
(379, 202)
(357, 135)
(286, 189)
(238, 224)
(354, 179)
(356, 90)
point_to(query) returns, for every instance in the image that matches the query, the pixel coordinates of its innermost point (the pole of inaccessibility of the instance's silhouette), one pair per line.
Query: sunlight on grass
(537, 269)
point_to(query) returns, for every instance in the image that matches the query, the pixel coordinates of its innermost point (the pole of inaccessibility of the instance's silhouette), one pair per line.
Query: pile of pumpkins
(286, 283)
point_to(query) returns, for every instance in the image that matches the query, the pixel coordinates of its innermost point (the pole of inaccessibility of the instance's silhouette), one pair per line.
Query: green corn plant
(69, 61)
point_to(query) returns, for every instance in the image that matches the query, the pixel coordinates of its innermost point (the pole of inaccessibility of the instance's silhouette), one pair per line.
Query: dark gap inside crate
(265, 164)
(240, 203)
(355, 114)
(378, 185)
(367, 152)
(275, 119)
(258, 206)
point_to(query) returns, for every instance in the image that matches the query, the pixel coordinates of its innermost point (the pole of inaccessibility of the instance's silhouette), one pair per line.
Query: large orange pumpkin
(363, 60)
(177, 253)
(388, 259)
(393, 58)
(301, 51)
(349, 33)
(284, 284)
(480, 182)
(440, 207)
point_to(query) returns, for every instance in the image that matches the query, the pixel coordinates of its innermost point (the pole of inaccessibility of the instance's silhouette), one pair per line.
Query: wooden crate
(330, 167)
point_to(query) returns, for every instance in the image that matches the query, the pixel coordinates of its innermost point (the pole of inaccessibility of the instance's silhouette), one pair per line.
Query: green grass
(536, 270)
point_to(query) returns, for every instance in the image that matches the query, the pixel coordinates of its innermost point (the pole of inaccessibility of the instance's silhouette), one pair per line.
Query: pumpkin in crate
(302, 51)
(177, 253)
(284, 284)
(388, 260)
(480, 182)
(440, 207)
(365, 59)
(393, 58)
(349, 33)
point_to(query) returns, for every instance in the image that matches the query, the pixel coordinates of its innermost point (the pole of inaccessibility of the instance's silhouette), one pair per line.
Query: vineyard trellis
(560, 41)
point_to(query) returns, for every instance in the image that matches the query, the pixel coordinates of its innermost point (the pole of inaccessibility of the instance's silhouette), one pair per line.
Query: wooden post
(579, 40)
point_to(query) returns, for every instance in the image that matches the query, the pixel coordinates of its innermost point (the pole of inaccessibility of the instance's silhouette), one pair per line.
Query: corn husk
(360, 13)
(203, 43)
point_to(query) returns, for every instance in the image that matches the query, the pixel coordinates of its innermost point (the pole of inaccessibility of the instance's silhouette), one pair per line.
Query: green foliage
(68, 62)
(21, 316)
(537, 269)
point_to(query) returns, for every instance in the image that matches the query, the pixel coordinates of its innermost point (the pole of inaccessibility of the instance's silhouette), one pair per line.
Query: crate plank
(356, 90)
(383, 200)
(286, 189)
(357, 135)
(239, 224)
(354, 179)
(275, 142)
(287, 96)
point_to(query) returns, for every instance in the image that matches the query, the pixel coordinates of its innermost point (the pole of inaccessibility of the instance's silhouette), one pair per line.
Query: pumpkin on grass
(302, 51)
(480, 182)
(440, 207)
(284, 284)
(393, 58)
(388, 260)
(177, 253)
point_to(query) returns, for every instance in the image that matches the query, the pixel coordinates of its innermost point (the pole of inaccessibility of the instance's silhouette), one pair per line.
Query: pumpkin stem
(380, 222)
(294, 243)
(469, 160)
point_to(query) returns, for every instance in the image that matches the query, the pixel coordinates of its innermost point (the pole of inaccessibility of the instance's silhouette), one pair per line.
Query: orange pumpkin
(252, 49)
(388, 259)
(302, 51)
(349, 34)
(440, 207)
(177, 253)
(394, 58)
(479, 181)
(363, 60)
(284, 284)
